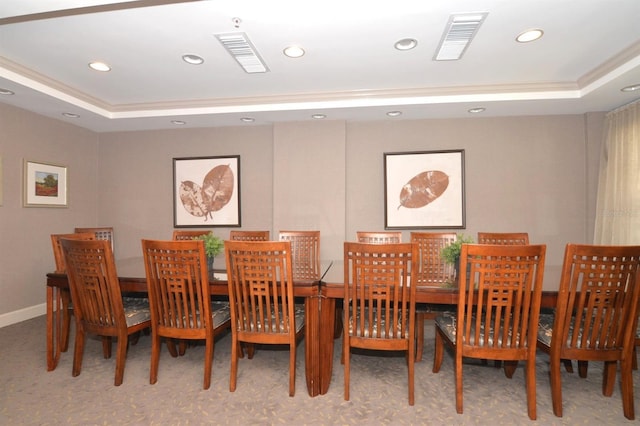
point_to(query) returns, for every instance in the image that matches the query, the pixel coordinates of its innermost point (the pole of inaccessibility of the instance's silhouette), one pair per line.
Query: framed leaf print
(206, 192)
(424, 189)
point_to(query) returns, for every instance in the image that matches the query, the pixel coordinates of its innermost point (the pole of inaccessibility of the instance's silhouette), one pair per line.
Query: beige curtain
(618, 205)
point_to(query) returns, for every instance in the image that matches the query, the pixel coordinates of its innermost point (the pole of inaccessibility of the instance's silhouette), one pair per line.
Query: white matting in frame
(424, 189)
(45, 185)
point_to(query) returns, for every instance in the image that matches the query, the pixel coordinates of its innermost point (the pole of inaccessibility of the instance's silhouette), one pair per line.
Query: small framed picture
(45, 185)
(206, 192)
(424, 189)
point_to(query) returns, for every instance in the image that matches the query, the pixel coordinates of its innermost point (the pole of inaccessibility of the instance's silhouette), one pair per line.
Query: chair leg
(556, 386)
(171, 345)
(235, 347)
(458, 374)
(583, 367)
(438, 351)
(634, 359)
(626, 386)
(106, 347)
(346, 360)
(292, 369)
(609, 377)
(531, 387)
(510, 368)
(567, 365)
(208, 361)
(121, 359)
(78, 351)
(411, 368)
(66, 320)
(156, 344)
(420, 318)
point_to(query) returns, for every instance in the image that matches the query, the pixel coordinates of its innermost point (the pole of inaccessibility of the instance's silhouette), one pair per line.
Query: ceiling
(351, 70)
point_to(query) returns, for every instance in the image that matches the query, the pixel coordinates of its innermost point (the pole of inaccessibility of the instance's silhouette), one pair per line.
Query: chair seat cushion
(221, 313)
(545, 332)
(136, 310)
(447, 323)
(378, 330)
(280, 328)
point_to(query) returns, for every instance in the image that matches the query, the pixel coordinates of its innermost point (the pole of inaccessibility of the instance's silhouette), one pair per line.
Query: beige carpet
(29, 395)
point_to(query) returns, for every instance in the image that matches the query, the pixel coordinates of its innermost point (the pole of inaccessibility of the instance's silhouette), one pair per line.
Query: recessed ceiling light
(70, 115)
(476, 110)
(6, 92)
(406, 44)
(529, 35)
(293, 51)
(247, 120)
(178, 122)
(394, 113)
(318, 116)
(631, 88)
(99, 66)
(192, 59)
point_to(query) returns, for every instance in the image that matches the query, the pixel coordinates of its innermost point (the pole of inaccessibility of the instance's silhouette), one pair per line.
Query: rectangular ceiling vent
(240, 48)
(458, 34)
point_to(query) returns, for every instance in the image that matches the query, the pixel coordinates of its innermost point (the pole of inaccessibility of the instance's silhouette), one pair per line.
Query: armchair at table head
(305, 253)
(182, 235)
(99, 307)
(379, 305)
(263, 310)
(102, 233)
(504, 238)
(595, 317)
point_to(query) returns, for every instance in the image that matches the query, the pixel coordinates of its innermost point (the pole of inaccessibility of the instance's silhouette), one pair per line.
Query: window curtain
(618, 202)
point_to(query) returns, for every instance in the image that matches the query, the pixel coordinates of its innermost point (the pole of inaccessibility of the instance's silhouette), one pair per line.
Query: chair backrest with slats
(598, 295)
(499, 300)
(381, 237)
(504, 238)
(102, 233)
(179, 295)
(378, 303)
(181, 235)
(58, 255)
(305, 253)
(249, 235)
(432, 269)
(95, 289)
(260, 277)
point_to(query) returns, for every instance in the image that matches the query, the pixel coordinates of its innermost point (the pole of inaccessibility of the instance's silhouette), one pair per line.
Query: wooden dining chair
(180, 300)
(102, 233)
(432, 270)
(249, 235)
(305, 253)
(65, 294)
(263, 310)
(99, 307)
(595, 317)
(379, 237)
(181, 235)
(379, 305)
(498, 308)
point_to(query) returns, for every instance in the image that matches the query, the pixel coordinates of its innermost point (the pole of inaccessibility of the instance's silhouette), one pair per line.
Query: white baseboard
(22, 314)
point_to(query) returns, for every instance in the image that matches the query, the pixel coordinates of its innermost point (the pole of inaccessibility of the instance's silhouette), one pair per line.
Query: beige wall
(534, 174)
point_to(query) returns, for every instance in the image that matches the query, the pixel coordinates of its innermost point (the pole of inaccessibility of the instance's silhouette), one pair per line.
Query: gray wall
(534, 174)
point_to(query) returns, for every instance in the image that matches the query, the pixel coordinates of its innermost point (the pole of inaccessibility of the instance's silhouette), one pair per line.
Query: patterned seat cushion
(378, 330)
(221, 313)
(447, 323)
(280, 328)
(545, 331)
(136, 310)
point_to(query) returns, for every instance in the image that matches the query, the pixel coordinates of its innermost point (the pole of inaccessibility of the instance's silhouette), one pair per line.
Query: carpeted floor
(29, 395)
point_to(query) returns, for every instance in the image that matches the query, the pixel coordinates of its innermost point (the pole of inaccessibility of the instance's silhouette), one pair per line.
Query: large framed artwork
(45, 185)
(206, 192)
(424, 189)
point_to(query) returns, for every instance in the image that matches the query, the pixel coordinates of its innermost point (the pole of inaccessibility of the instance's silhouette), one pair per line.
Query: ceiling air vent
(239, 46)
(458, 34)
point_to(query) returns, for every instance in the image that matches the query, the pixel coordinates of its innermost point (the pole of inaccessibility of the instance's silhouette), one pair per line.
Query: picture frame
(45, 184)
(206, 192)
(424, 189)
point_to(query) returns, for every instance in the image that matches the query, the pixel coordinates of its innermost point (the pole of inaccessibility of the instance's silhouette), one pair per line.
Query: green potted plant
(213, 246)
(451, 253)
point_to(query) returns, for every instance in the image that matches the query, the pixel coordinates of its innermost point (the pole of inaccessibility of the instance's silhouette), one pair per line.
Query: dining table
(321, 328)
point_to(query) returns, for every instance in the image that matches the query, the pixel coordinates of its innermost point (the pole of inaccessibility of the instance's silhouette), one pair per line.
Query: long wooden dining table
(320, 320)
